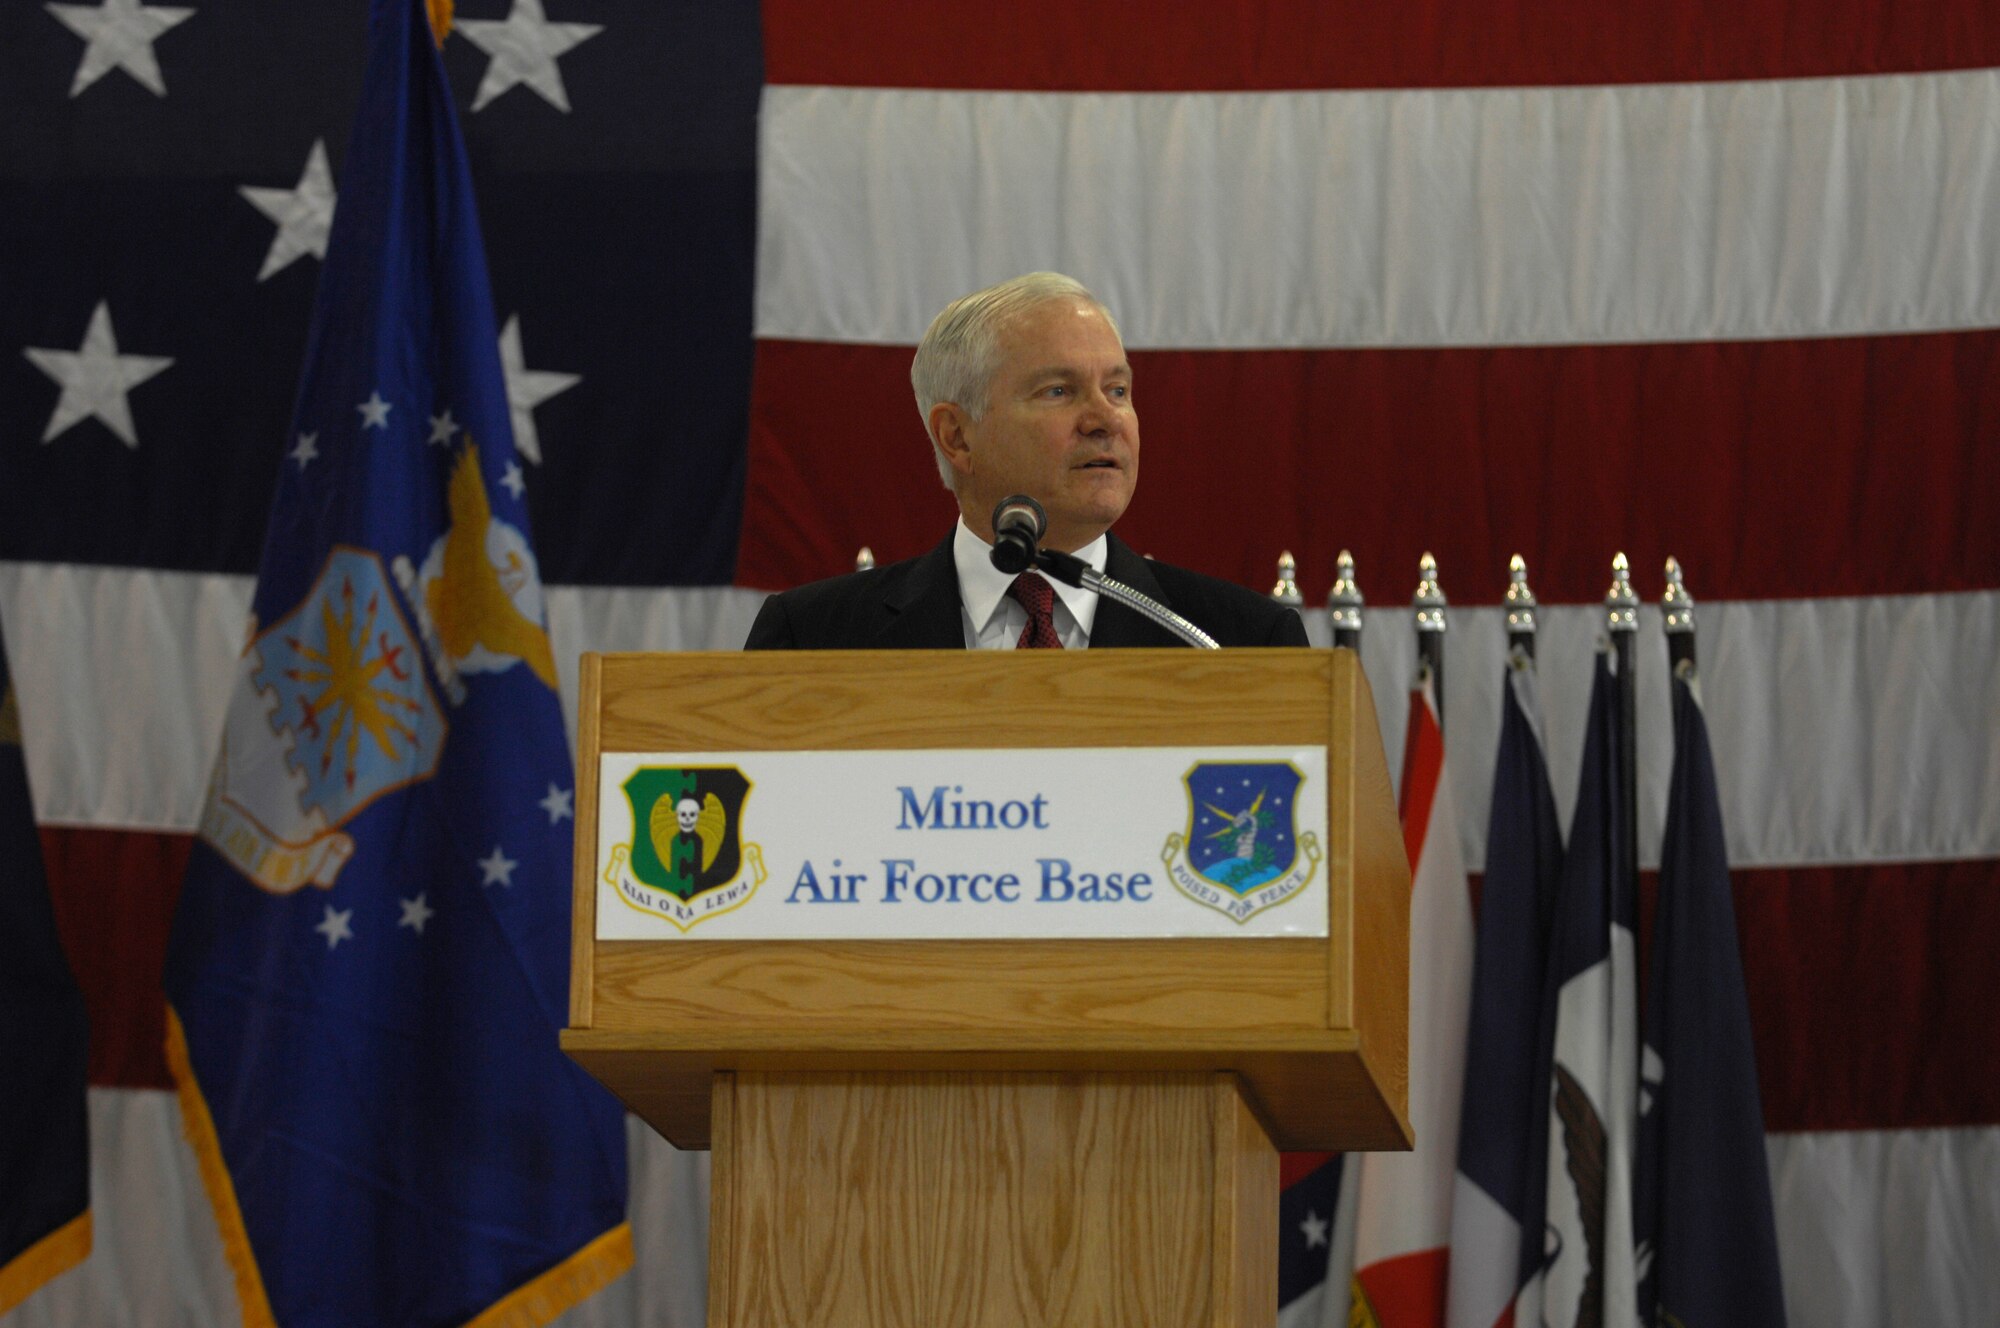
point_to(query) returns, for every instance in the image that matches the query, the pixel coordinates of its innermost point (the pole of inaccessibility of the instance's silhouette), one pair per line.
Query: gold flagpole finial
(1621, 602)
(1676, 605)
(1521, 602)
(1343, 602)
(1429, 600)
(1287, 589)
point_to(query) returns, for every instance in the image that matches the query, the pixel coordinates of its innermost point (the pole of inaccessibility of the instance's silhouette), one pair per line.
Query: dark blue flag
(1589, 1069)
(369, 961)
(44, 1051)
(1503, 1123)
(1708, 1248)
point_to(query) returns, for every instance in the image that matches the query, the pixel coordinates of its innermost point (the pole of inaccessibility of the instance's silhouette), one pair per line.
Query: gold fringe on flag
(200, 1129)
(440, 11)
(58, 1252)
(577, 1278)
(530, 1305)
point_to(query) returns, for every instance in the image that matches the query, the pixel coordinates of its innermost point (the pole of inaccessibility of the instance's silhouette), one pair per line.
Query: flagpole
(1428, 604)
(1621, 607)
(1677, 613)
(1343, 603)
(1520, 608)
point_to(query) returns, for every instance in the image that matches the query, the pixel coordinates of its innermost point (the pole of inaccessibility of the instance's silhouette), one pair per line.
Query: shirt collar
(982, 586)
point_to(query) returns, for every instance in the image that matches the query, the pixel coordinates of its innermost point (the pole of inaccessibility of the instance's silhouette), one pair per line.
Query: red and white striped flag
(1403, 1229)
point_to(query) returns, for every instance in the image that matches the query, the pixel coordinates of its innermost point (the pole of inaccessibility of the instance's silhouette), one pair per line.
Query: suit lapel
(1117, 626)
(924, 611)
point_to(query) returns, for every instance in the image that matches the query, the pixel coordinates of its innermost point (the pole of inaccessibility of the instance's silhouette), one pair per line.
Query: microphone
(1018, 525)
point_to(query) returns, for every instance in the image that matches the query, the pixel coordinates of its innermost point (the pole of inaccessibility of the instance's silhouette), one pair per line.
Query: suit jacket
(914, 605)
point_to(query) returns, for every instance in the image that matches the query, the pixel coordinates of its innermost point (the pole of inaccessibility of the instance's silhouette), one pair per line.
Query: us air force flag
(368, 966)
(1708, 1245)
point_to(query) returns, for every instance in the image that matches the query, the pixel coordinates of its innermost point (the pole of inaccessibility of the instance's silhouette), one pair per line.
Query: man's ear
(950, 427)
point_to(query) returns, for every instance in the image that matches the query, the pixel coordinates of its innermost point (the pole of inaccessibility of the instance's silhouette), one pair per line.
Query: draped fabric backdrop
(1472, 276)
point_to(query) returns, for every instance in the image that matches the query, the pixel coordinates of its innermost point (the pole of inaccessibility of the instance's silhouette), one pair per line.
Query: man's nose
(1099, 414)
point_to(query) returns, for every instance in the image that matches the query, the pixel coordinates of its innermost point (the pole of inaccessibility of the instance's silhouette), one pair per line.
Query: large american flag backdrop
(1472, 276)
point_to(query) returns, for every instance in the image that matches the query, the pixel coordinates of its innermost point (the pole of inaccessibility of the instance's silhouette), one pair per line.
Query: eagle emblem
(478, 594)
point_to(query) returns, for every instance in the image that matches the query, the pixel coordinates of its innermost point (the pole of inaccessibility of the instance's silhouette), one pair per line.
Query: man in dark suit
(1024, 388)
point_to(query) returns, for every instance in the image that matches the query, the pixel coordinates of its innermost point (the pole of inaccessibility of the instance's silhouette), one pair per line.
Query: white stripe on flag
(1432, 217)
(1873, 684)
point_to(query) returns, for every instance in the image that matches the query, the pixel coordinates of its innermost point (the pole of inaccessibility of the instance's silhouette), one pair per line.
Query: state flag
(1708, 1245)
(1587, 1276)
(1402, 1244)
(1498, 1198)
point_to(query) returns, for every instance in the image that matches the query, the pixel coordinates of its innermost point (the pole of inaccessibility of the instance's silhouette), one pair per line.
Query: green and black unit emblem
(686, 859)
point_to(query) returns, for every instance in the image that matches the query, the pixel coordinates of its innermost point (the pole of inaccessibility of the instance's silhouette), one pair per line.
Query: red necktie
(1038, 597)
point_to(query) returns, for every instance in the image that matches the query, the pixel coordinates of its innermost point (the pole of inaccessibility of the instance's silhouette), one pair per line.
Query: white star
(95, 379)
(511, 481)
(120, 34)
(416, 912)
(557, 804)
(498, 867)
(442, 428)
(304, 213)
(1315, 1228)
(334, 926)
(527, 388)
(524, 47)
(305, 451)
(374, 411)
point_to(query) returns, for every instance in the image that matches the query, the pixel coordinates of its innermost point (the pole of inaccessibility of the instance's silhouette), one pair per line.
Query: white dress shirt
(994, 619)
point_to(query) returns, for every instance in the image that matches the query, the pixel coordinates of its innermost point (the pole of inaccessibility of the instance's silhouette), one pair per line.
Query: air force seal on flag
(332, 710)
(1242, 852)
(686, 859)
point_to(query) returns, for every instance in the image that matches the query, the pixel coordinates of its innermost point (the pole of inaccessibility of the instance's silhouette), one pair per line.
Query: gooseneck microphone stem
(1018, 526)
(1074, 571)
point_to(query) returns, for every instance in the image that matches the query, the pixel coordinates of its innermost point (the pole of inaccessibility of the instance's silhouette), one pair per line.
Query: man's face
(1059, 425)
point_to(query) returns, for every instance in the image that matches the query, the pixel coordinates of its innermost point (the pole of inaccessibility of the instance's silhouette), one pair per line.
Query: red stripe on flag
(1295, 1167)
(1871, 987)
(1423, 766)
(1872, 992)
(1772, 469)
(1130, 46)
(114, 893)
(1408, 1289)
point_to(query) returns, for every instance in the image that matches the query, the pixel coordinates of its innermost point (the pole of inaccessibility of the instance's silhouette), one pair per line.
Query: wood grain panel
(1246, 1215)
(1307, 1024)
(725, 1245)
(1313, 1091)
(1380, 959)
(810, 985)
(980, 1200)
(841, 700)
(1340, 800)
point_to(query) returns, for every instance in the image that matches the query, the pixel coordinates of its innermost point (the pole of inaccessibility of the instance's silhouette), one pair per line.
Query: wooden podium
(1002, 1132)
